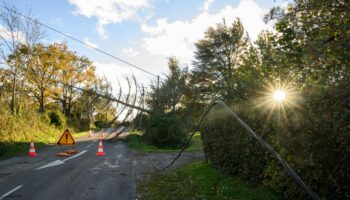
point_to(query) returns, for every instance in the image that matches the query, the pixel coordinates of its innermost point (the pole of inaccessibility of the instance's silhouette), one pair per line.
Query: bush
(165, 130)
(45, 118)
(231, 148)
(100, 124)
(140, 122)
(315, 143)
(16, 131)
(319, 148)
(57, 119)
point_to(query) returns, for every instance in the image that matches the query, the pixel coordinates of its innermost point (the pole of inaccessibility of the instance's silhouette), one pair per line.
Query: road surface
(80, 176)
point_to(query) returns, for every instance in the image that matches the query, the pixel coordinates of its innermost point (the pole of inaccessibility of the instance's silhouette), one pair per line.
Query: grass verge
(199, 180)
(136, 141)
(42, 138)
(80, 134)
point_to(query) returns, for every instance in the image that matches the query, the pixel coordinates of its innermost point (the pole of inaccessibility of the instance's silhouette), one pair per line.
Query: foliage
(168, 96)
(100, 124)
(318, 146)
(165, 130)
(309, 53)
(49, 78)
(200, 180)
(216, 58)
(57, 119)
(140, 121)
(16, 131)
(16, 31)
(231, 149)
(137, 141)
(80, 134)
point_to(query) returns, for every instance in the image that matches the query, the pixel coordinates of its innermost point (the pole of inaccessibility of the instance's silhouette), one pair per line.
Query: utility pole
(157, 94)
(142, 106)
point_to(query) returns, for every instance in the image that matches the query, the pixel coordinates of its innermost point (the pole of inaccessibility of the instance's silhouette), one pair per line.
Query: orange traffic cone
(100, 149)
(32, 152)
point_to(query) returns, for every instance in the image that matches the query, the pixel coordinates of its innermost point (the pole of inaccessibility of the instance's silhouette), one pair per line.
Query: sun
(279, 95)
(277, 98)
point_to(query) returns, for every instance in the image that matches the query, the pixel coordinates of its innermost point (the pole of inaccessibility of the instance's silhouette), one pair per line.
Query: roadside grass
(19, 142)
(80, 134)
(136, 141)
(199, 180)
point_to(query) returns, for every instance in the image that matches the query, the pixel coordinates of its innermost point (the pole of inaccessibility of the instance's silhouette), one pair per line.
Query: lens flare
(279, 95)
(277, 98)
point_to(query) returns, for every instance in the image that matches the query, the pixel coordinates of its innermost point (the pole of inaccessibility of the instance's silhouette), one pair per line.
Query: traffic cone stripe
(32, 152)
(100, 149)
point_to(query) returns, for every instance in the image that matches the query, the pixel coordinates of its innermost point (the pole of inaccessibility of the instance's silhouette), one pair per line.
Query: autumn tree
(15, 31)
(76, 72)
(90, 102)
(42, 72)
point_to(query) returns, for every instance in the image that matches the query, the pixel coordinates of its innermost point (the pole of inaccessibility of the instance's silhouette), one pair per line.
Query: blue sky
(143, 32)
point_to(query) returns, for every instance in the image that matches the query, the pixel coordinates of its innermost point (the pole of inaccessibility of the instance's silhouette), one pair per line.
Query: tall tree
(15, 31)
(43, 70)
(171, 90)
(216, 58)
(175, 83)
(316, 32)
(75, 73)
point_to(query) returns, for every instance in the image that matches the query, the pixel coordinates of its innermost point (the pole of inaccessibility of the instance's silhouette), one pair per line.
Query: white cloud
(177, 38)
(207, 4)
(130, 52)
(88, 42)
(114, 72)
(8, 35)
(109, 11)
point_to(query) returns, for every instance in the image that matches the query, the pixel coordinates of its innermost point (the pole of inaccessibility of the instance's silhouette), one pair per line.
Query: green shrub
(100, 124)
(45, 117)
(16, 131)
(57, 119)
(165, 130)
(318, 147)
(314, 141)
(231, 148)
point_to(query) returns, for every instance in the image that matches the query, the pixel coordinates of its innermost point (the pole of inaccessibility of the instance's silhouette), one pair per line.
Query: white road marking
(76, 155)
(51, 164)
(88, 146)
(11, 191)
(59, 162)
(95, 140)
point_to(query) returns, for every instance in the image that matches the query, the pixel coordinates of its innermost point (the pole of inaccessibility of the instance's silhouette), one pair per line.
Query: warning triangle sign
(66, 139)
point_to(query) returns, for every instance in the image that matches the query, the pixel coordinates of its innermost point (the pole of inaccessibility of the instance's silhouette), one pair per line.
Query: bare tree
(14, 31)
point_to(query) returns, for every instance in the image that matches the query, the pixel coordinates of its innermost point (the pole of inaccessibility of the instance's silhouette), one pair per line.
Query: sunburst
(277, 98)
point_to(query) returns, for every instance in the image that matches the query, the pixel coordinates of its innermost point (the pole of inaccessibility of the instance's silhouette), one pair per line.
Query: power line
(79, 41)
(111, 98)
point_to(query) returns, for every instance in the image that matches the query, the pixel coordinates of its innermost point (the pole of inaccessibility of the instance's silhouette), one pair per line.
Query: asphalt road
(80, 176)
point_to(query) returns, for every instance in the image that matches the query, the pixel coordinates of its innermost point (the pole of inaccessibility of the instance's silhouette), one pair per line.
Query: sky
(143, 32)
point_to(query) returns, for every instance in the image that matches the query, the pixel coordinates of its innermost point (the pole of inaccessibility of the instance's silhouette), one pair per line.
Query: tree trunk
(13, 94)
(41, 102)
